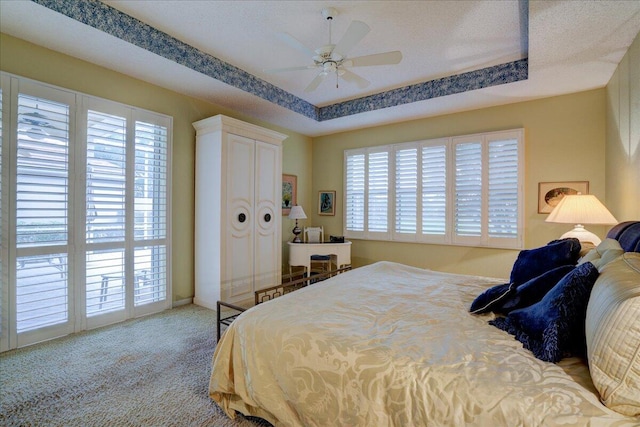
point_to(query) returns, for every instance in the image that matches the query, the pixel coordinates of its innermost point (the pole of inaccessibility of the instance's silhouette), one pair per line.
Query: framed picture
(326, 203)
(289, 192)
(550, 193)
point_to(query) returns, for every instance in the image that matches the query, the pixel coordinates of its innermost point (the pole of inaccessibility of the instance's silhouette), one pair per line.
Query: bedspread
(393, 345)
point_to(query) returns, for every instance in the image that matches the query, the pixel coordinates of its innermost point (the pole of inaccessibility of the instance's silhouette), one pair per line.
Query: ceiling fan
(332, 58)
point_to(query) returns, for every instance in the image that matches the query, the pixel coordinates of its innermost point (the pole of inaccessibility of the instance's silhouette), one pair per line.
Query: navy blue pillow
(492, 298)
(508, 297)
(554, 327)
(535, 289)
(533, 262)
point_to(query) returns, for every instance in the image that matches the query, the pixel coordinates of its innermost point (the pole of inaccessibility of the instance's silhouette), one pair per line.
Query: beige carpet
(152, 371)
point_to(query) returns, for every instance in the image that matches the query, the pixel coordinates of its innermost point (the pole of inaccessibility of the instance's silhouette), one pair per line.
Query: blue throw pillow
(492, 298)
(535, 289)
(534, 262)
(554, 327)
(508, 297)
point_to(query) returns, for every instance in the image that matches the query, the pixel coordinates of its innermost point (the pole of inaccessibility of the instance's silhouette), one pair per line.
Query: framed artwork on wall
(289, 192)
(326, 203)
(550, 193)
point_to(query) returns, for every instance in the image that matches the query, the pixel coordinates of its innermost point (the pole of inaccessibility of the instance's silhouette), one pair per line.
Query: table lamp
(581, 209)
(297, 213)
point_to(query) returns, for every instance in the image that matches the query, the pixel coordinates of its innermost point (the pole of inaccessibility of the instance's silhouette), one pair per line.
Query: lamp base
(296, 232)
(580, 233)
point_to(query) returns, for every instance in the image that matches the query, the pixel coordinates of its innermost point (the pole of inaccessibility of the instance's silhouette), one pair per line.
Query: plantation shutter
(87, 239)
(503, 188)
(434, 190)
(150, 211)
(406, 191)
(106, 167)
(464, 190)
(504, 199)
(468, 189)
(42, 211)
(105, 212)
(354, 192)
(378, 192)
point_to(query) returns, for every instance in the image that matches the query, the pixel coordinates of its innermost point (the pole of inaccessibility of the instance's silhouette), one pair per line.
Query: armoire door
(239, 229)
(268, 194)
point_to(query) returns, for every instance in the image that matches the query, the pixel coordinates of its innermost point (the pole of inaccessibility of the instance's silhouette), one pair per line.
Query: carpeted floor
(152, 371)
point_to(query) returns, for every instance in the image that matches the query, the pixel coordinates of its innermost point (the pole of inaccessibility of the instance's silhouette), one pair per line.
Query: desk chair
(319, 263)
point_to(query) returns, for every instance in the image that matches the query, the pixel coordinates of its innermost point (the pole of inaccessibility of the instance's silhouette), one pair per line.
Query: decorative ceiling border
(125, 27)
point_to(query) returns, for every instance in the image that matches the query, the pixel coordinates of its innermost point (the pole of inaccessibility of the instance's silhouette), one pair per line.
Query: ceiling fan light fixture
(329, 67)
(334, 58)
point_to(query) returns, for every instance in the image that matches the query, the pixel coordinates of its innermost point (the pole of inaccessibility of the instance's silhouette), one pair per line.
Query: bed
(393, 345)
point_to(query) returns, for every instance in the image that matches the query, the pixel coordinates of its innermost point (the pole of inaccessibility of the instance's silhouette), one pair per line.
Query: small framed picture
(550, 193)
(289, 193)
(326, 203)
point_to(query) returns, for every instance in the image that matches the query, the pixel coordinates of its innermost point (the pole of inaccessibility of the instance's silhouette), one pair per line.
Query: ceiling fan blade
(296, 44)
(351, 77)
(315, 82)
(280, 70)
(386, 58)
(356, 32)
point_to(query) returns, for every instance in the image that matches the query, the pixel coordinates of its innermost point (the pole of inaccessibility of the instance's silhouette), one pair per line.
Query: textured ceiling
(571, 46)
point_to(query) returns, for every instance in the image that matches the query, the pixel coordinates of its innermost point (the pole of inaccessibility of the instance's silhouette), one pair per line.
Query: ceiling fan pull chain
(336, 79)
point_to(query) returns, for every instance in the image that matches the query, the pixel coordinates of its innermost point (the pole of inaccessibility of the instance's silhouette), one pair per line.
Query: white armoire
(238, 210)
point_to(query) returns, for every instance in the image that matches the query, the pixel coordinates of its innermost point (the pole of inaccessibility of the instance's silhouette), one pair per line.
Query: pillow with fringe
(534, 262)
(508, 297)
(553, 328)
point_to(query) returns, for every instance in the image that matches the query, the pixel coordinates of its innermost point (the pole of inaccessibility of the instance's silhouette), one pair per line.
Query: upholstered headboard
(628, 234)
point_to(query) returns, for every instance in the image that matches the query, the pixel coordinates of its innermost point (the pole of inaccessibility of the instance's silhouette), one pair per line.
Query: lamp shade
(581, 209)
(297, 213)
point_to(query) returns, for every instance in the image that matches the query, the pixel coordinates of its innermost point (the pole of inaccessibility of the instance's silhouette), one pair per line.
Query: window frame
(136, 249)
(450, 237)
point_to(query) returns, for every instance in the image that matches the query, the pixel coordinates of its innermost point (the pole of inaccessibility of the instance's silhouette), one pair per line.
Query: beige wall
(35, 62)
(623, 137)
(564, 140)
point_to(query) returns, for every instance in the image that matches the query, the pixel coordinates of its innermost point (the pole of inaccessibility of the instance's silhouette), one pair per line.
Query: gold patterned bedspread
(392, 345)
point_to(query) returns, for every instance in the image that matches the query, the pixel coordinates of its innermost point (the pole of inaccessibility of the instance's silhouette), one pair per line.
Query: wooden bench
(267, 294)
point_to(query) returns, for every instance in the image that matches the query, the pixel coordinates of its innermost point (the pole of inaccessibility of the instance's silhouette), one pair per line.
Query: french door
(85, 224)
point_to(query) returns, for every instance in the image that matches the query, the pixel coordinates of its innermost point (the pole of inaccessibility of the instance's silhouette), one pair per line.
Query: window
(461, 190)
(87, 231)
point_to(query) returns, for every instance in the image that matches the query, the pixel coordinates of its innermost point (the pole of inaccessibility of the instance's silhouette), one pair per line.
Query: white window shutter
(504, 210)
(464, 190)
(87, 244)
(378, 192)
(150, 210)
(468, 191)
(105, 186)
(434, 190)
(42, 194)
(354, 199)
(503, 189)
(406, 191)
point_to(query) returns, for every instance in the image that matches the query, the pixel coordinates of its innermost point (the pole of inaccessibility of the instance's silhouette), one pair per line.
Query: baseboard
(185, 301)
(204, 303)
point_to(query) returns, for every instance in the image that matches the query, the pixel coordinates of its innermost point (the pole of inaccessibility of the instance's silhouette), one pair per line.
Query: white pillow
(612, 329)
(605, 252)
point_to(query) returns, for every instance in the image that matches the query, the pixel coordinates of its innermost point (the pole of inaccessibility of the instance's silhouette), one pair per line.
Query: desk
(300, 253)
